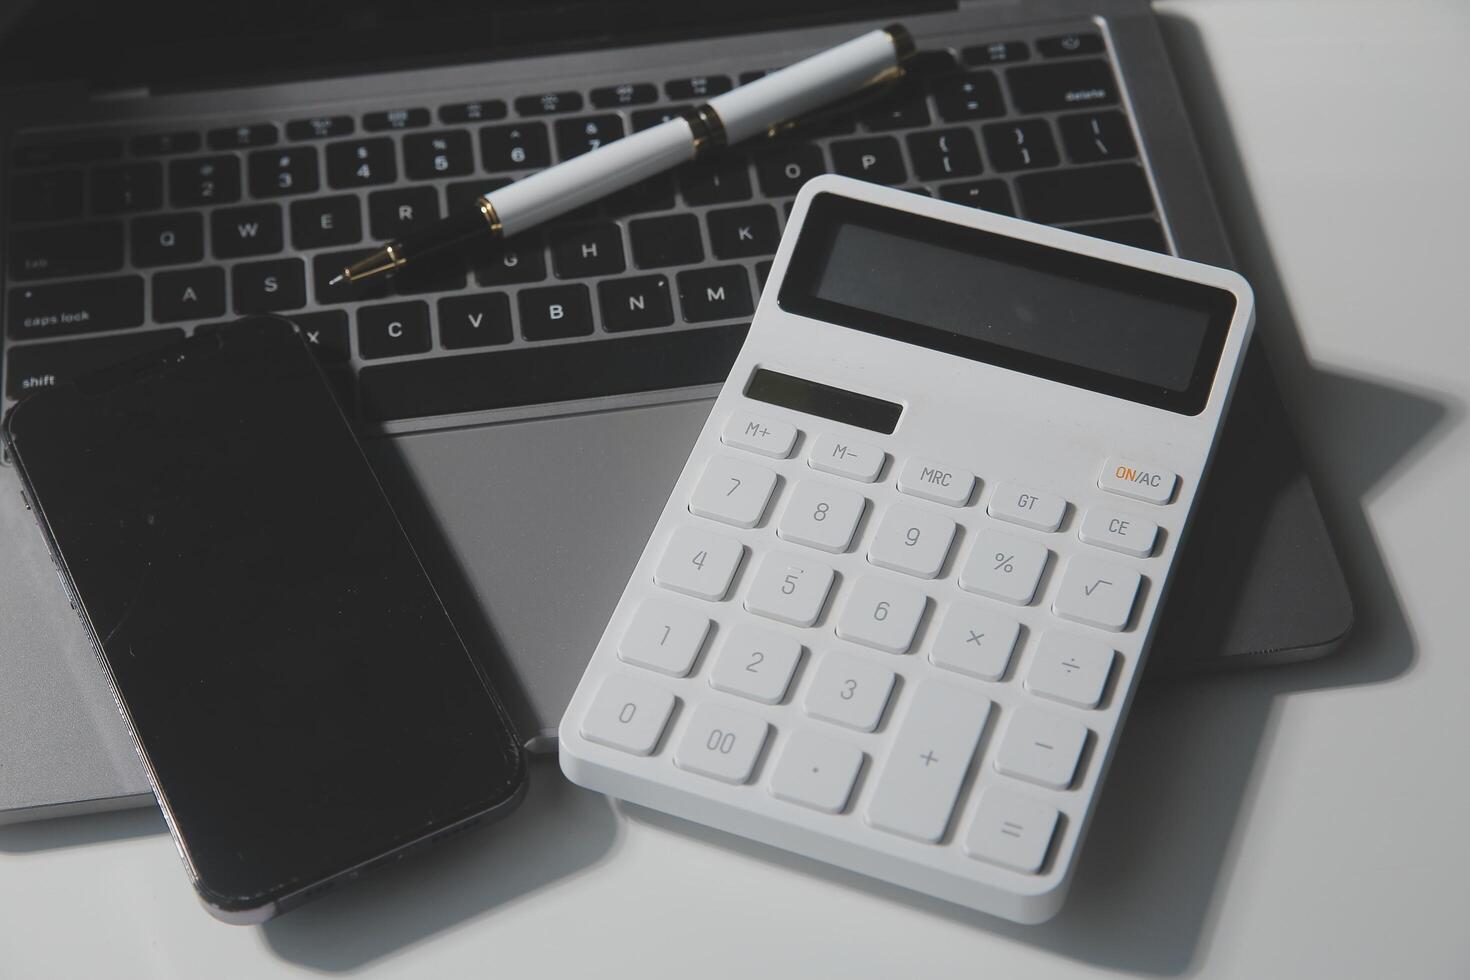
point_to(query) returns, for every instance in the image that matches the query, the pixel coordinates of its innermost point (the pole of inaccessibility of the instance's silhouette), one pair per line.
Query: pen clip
(872, 91)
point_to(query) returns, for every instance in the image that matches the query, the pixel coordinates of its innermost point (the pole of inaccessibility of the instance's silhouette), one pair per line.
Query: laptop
(168, 165)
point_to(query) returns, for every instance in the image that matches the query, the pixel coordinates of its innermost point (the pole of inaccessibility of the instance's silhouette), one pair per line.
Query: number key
(523, 146)
(359, 163)
(628, 714)
(733, 491)
(699, 564)
(881, 614)
(665, 637)
(204, 180)
(849, 691)
(721, 743)
(756, 663)
(291, 170)
(789, 588)
(912, 541)
(821, 516)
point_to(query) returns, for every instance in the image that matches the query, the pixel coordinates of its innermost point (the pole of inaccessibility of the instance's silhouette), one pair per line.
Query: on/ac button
(1137, 480)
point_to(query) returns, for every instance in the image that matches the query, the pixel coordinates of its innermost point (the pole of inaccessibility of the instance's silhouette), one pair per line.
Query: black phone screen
(302, 699)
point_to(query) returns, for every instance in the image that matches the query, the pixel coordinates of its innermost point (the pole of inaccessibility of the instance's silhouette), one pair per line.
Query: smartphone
(302, 702)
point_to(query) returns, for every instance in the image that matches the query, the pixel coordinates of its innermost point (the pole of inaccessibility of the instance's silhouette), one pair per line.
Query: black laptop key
(762, 273)
(746, 77)
(320, 128)
(67, 151)
(517, 146)
(972, 95)
(518, 259)
(1026, 144)
(289, 170)
(585, 133)
(721, 181)
(377, 122)
(268, 287)
(783, 170)
(876, 159)
(393, 329)
(635, 303)
(328, 265)
(189, 294)
(322, 222)
(548, 103)
(1065, 45)
(554, 312)
(1064, 85)
(127, 187)
(87, 306)
(944, 154)
(392, 214)
(532, 374)
(654, 193)
(1092, 137)
(361, 163)
(649, 118)
(1138, 232)
(589, 250)
(168, 239)
(669, 240)
(37, 367)
(481, 320)
(256, 229)
(54, 195)
(991, 196)
(700, 87)
(466, 194)
(932, 62)
(739, 233)
(721, 293)
(482, 110)
(438, 272)
(204, 180)
(902, 108)
(1110, 190)
(164, 144)
(242, 137)
(66, 250)
(629, 93)
(326, 333)
(996, 53)
(450, 153)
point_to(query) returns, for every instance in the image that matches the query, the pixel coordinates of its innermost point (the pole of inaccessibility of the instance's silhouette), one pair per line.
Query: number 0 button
(628, 714)
(721, 743)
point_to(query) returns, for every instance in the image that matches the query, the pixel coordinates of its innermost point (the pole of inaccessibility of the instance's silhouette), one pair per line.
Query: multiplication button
(759, 435)
(934, 481)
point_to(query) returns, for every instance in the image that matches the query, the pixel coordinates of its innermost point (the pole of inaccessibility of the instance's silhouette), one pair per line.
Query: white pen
(754, 108)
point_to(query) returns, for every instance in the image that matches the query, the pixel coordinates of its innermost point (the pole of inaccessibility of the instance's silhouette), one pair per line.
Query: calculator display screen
(1084, 321)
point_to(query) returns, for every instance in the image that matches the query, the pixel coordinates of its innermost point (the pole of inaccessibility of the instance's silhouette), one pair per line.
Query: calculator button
(789, 588)
(817, 771)
(721, 743)
(1097, 593)
(849, 691)
(855, 460)
(1137, 480)
(1004, 567)
(882, 614)
(756, 663)
(1011, 830)
(733, 491)
(821, 516)
(699, 563)
(1069, 669)
(1119, 532)
(759, 435)
(628, 714)
(927, 761)
(664, 637)
(975, 641)
(1043, 511)
(936, 482)
(912, 541)
(1041, 747)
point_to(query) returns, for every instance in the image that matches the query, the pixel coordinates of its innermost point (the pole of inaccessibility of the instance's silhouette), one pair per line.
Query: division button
(1069, 669)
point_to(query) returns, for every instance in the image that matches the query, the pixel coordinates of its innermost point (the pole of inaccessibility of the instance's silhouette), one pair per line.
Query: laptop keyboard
(120, 243)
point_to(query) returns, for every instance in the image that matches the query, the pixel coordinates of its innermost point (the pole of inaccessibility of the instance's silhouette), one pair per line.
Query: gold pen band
(487, 211)
(707, 126)
(904, 47)
(388, 257)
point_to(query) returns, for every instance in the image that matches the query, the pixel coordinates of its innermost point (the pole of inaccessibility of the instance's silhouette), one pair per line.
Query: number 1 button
(698, 563)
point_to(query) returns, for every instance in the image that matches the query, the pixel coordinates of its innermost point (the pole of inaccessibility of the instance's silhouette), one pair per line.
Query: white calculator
(898, 603)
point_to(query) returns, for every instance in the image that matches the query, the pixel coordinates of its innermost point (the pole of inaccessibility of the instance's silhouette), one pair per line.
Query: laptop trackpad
(531, 529)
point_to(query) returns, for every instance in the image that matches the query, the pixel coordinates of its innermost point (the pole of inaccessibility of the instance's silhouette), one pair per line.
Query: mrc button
(1137, 480)
(935, 481)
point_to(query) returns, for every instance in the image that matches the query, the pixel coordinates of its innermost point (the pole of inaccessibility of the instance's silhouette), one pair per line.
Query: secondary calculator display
(899, 599)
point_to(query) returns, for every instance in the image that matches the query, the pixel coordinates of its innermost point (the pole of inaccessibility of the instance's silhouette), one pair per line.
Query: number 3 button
(849, 691)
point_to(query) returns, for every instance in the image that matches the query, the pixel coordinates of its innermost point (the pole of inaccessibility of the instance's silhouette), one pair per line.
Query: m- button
(854, 460)
(759, 435)
(934, 481)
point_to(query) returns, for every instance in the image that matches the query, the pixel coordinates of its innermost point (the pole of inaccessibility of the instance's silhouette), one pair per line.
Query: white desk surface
(1310, 821)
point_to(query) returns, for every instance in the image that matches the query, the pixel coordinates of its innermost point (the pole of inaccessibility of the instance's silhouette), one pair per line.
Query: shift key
(66, 250)
(34, 367)
(88, 306)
